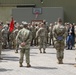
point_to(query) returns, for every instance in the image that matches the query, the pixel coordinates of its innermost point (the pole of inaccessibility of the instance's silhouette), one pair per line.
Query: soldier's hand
(23, 44)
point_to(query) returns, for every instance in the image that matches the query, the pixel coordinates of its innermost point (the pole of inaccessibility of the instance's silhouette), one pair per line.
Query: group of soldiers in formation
(34, 34)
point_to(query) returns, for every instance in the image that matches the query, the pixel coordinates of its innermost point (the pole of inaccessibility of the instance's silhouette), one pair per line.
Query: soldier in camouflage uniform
(36, 39)
(5, 36)
(33, 30)
(59, 40)
(0, 41)
(16, 45)
(11, 38)
(41, 33)
(24, 39)
(51, 34)
(47, 30)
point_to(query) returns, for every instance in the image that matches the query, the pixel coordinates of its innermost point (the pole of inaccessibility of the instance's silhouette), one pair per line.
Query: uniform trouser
(42, 43)
(14, 44)
(59, 45)
(10, 44)
(47, 38)
(60, 54)
(36, 41)
(17, 47)
(25, 52)
(51, 40)
(0, 49)
(5, 42)
(33, 42)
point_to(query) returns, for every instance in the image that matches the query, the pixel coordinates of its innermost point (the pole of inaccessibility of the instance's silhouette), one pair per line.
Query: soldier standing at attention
(24, 39)
(0, 41)
(41, 33)
(59, 40)
(16, 45)
(33, 31)
(51, 34)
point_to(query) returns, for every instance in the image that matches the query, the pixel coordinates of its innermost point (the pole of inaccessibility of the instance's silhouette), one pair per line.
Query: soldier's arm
(64, 35)
(37, 33)
(54, 32)
(18, 40)
(29, 38)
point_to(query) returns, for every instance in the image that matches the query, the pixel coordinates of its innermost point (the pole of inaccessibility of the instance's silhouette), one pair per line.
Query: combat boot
(21, 65)
(44, 51)
(16, 51)
(74, 65)
(60, 61)
(28, 65)
(40, 51)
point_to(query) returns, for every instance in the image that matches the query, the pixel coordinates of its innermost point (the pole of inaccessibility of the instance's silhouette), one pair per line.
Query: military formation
(42, 35)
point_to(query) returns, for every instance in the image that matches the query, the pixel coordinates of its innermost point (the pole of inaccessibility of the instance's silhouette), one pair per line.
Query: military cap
(24, 23)
(21, 26)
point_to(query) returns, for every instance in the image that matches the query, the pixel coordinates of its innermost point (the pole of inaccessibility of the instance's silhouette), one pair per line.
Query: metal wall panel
(69, 6)
(15, 1)
(49, 14)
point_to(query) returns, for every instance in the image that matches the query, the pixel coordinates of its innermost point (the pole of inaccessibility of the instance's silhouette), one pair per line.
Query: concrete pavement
(42, 64)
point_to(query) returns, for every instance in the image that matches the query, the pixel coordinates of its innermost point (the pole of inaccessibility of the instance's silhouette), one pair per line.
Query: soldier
(41, 33)
(24, 39)
(51, 34)
(47, 29)
(0, 42)
(5, 36)
(33, 30)
(59, 40)
(36, 39)
(16, 45)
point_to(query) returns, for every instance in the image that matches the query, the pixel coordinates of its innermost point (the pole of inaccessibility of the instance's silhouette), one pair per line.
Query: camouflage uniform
(59, 41)
(41, 33)
(0, 43)
(24, 36)
(47, 30)
(51, 34)
(5, 36)
(33, 30)
(36, 39)
(16, 45)
(11, 38)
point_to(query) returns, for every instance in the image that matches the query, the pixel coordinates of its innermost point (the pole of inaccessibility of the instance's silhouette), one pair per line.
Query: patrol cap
(5, 26)
(24, 23)
(21, 26)
(7, 22)
(51, 24)
(74, 23)
(68, 23)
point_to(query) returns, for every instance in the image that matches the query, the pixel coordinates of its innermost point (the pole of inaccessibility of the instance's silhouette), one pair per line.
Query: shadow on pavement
(39, 67)
(7, 49)
(69, 63)
(11, 58)
(34, 47)
(50, 53)
(32, 55)
(33, 52)
(3, 70)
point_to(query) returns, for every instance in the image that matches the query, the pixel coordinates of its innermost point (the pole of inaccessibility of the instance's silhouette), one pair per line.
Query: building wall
(50, 14)
(5, 13)
(69, 6)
